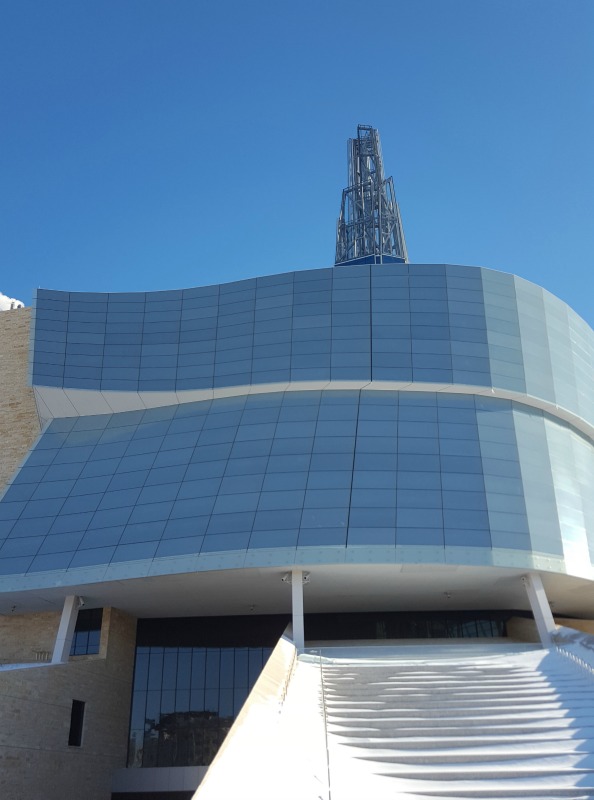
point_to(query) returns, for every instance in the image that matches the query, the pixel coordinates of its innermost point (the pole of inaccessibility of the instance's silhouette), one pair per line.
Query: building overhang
(331, 588)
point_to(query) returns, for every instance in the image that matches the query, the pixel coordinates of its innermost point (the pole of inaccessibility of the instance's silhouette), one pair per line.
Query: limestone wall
(35, 704)
(522, 629)
(27, 637)
(584, 625)
(19, 423)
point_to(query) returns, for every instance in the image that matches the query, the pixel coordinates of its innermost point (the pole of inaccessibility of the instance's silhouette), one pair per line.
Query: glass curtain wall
(191, 678)
(185, 701)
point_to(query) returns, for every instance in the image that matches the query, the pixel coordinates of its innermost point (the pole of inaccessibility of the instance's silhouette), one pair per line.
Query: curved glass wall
(341, 474)
(460, 476)
(406, 323)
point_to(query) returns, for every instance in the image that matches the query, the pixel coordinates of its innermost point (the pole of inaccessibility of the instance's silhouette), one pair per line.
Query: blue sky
(154, 144)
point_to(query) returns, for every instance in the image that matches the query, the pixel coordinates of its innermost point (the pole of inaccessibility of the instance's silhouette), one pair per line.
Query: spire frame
(369, 228)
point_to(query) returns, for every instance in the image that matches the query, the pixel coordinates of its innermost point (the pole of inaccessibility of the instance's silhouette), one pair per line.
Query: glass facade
(185, 700)
(418, 460)
(191, 678)
(294, 470)
(434, 323)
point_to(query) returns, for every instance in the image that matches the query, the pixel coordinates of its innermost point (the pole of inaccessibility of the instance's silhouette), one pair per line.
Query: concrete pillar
(297, 608)
(66, 630)
(540, 608)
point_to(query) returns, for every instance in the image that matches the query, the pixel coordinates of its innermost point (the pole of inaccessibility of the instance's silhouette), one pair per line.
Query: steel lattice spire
(369, 229)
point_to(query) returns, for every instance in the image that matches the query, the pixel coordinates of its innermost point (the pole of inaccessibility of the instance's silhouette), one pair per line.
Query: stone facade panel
(19, 423)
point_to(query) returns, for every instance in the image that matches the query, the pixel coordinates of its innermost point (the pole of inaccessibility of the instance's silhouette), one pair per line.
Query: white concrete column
(66, 630)
(540, 608)
(297, 608)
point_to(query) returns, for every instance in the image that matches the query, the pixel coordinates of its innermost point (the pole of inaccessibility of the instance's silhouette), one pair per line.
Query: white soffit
(331, 588)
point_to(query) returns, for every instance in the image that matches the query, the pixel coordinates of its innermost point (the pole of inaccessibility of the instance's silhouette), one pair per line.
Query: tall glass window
(185, 700)
(191, 678)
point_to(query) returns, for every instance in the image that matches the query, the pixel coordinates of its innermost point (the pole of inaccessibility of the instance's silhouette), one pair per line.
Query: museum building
(377, 450)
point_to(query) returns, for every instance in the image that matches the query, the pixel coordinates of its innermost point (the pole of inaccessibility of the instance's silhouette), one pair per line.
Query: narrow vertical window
(77, 716)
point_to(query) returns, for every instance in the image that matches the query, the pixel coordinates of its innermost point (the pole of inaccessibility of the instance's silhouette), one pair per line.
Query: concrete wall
(19, 423)
(35, 706)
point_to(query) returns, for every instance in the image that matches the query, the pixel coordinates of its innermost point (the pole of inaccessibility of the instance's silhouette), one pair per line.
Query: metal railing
(580, 662)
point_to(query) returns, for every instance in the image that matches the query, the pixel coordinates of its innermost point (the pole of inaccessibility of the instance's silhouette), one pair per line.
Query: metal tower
(369, 229)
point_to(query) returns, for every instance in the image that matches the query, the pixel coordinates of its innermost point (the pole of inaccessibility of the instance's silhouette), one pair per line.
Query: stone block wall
(27, 637)
(35, 705)
(19, 423)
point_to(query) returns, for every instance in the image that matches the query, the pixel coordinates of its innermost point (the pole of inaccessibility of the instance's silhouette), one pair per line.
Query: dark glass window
(409, 625)
(87, 633)
(184, 706)
(77, 715)
(191, 679)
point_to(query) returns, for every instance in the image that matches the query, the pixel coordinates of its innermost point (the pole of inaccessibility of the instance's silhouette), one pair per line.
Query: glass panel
(194, 694)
